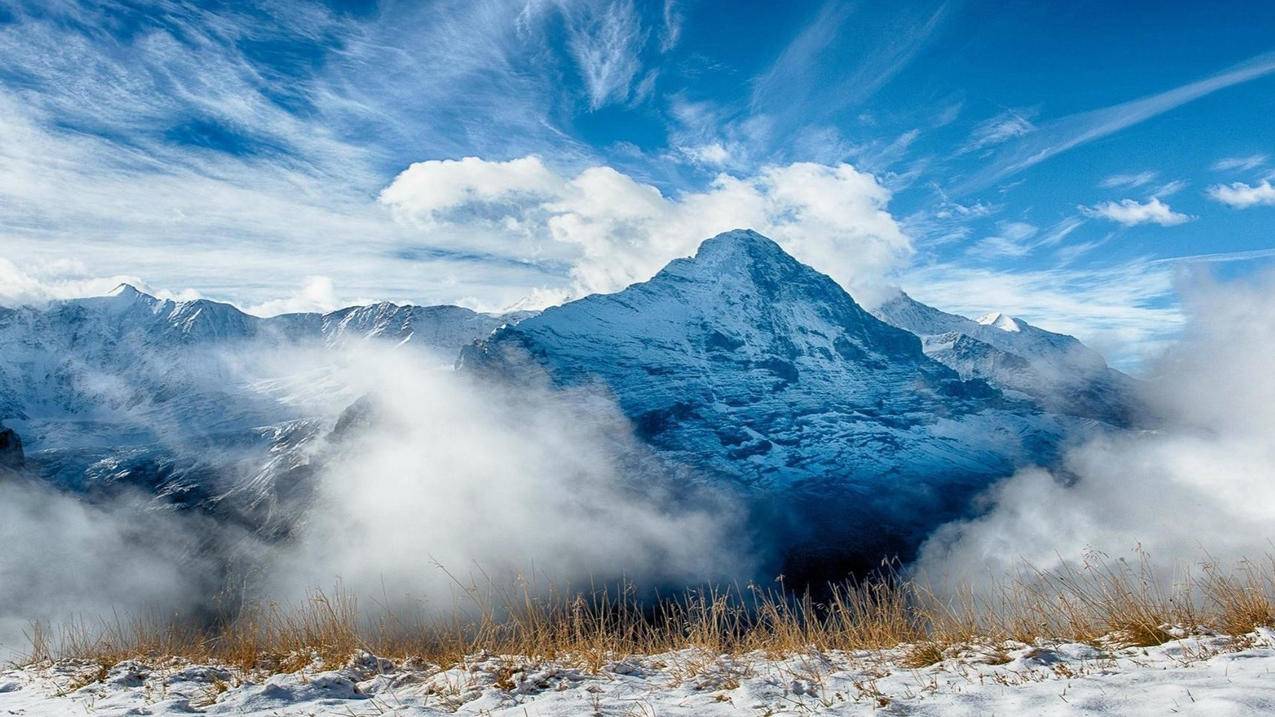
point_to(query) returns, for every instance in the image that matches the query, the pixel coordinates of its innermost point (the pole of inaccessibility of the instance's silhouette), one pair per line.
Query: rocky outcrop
(11, 457)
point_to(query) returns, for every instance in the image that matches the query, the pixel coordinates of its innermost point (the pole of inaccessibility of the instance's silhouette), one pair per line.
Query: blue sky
(1071, 163)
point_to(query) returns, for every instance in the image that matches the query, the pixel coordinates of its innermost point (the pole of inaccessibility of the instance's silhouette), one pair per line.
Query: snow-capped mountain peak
(763, 373)
(1056, 370)
(128, 291)
(997, 320)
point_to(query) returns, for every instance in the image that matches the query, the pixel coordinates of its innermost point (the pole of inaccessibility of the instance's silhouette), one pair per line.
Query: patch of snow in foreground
(1201, 675)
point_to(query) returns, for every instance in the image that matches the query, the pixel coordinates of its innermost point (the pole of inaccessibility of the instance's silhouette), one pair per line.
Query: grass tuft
(1100, 600)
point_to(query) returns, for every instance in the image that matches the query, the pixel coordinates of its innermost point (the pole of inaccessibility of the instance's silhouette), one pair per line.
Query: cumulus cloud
(425, 190)
(1243, 196)
(1205, 480)
(614, 230)
(317, 294)
(1131, 212)
(41, 283)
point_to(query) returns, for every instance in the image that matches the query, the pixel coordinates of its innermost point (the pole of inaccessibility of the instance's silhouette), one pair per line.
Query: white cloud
(87, 168)
(1127, 311)
(1010, 241)
(564, 492)
(425, 189)
(1074, 130)
(711, 154)
(1202, 481)
(1168, 189)
(998, 129)
(862, 51)
(605, 41)
(1131, 212)
(1060, 231)
(614, 230)
(1242, 196)
(43, 282)
(1128, 181)
(316, 295)
(1231, 164)
(672, 31)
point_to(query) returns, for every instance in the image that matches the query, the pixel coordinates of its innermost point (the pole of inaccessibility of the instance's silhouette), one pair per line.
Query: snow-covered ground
(1200, 675)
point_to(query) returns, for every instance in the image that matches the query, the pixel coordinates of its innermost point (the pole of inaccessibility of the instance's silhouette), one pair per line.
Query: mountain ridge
(849, 436)
(746, 364)
(1055, 370)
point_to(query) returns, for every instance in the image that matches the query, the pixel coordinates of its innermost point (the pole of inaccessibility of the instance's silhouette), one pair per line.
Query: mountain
(847, 440)
(846, 435)
(443, 329)
(180, 398)
(1056, 371)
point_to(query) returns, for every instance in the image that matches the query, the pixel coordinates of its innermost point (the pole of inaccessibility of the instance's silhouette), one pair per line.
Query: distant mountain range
(849, 433)
(178, 398)
(1055, 370)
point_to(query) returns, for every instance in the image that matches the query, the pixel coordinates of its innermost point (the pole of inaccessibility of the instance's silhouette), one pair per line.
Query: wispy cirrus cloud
(1128, 181)
(1170, 188)
(862, 50)
(606, 40)
(1060, 231)
(1233, 164)
(999, 129)
(1011, 240)
(671, 31)
(1066, 133)
(176, 140)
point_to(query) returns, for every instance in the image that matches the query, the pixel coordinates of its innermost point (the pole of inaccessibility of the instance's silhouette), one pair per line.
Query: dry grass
(1098, 600)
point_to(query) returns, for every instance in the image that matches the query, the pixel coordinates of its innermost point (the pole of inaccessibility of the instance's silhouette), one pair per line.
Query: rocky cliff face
(761, 372)
(11, 457)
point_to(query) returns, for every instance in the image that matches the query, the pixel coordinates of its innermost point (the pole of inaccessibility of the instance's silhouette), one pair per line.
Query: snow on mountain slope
(170, 396)
(445, 329)
(1055, 370)
(759, 370)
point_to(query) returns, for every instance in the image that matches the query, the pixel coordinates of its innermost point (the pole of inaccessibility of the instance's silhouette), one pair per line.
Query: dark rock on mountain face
(11, 456)
(762, 373)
